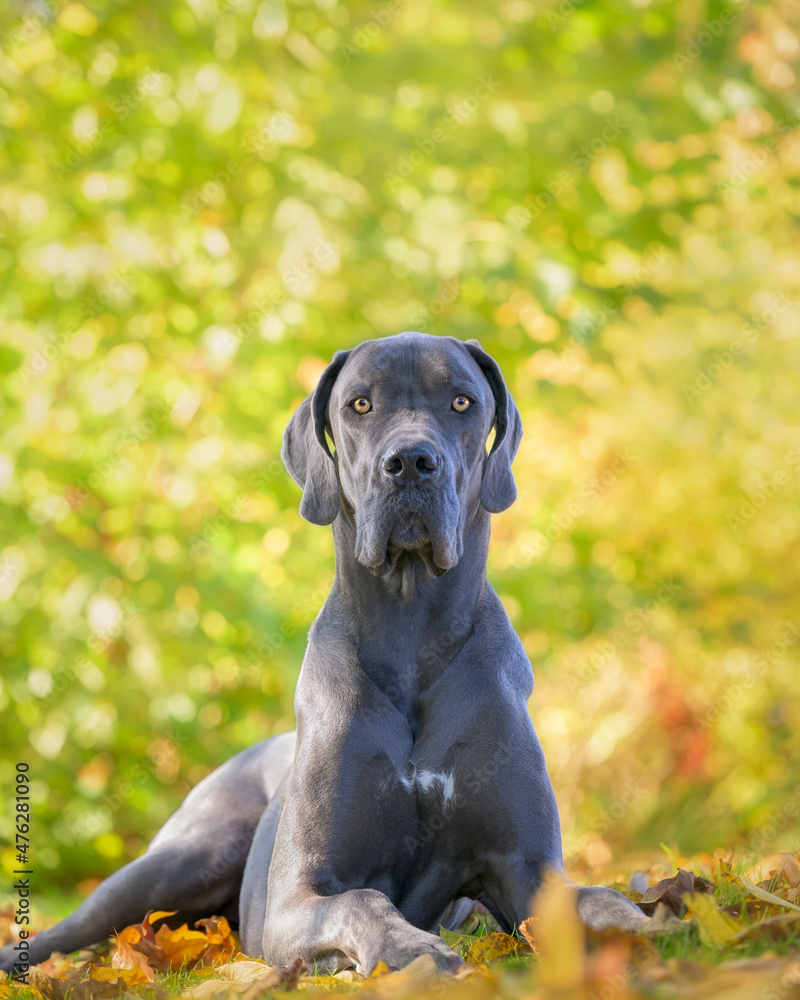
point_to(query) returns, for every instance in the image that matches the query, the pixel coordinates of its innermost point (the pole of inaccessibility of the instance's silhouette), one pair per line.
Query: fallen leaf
(244, 972)
(491, 947)
(249, 981)
(76, 989)
(783, 864)
(670, 890)
(773, 929)
(762, 894)
(664, 921)
(221, 945)
(106, 974)
(560, 936)
(127, 957)
(526, 929)
(57, 965)
(183, 947)
(716, 927)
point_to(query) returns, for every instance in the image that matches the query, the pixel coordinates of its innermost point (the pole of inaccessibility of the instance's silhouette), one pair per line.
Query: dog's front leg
(357, 928)
(339, 866)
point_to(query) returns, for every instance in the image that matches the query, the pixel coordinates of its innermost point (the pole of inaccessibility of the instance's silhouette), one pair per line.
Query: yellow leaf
(767, 897)
(77, 19)
(491, 947)
(181, 946)
(243, 972)
(105, 974)
(126, 958)
(716, 928)
(785, 864)
(560, 936)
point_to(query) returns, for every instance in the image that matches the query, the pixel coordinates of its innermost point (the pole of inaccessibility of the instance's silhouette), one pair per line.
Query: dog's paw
(404, 949)
(599, 907)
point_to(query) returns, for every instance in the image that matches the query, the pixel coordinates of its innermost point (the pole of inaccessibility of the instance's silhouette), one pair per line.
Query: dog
(415, 783)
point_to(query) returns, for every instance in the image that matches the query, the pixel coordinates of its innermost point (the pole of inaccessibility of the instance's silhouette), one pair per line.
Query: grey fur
(415, 782)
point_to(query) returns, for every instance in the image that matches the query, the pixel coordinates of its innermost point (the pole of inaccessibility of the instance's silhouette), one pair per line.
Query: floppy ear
(305, 451)
(498, 490)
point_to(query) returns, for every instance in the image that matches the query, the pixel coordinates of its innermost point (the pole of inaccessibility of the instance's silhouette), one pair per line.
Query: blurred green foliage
(201, 201)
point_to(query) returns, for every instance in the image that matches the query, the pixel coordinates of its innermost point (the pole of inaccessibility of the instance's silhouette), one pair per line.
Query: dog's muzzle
(412, 506)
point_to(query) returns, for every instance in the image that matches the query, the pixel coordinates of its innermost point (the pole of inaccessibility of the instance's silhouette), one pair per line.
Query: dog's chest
(436, 788)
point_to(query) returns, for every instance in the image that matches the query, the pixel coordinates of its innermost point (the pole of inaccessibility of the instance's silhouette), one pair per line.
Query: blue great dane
(415, 782)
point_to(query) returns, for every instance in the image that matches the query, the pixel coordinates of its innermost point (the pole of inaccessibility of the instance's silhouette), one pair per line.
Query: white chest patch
(431, 782)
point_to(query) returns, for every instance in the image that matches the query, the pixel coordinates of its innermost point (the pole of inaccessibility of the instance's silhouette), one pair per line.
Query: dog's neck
(405, 643)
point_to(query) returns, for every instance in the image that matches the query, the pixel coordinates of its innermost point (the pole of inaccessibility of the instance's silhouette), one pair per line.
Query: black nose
(411, 465)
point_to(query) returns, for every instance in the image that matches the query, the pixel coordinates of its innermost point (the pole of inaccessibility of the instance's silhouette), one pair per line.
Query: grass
(683, 944)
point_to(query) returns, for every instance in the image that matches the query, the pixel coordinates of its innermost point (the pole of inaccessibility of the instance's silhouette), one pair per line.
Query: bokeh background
(202, 199)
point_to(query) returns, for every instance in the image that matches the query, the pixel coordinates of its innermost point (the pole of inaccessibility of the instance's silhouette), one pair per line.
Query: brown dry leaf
(742, 979)
(181, 946)
(639, 951)
(105, 974)
(249, 981)
(526, 929)
(664, 921)
(491, 947)
(560, 936)
(762, 894)
(670, 890)
(606, 968)
(57, 965)
(774, 929)
(76, 989)
(783, 864)
(127, 957)
(285, 978)
(716, 928)
(221, 945)
(244, 972)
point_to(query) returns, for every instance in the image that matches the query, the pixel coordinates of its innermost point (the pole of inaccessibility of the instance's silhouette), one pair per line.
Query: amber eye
(362, 405)
(461, 403)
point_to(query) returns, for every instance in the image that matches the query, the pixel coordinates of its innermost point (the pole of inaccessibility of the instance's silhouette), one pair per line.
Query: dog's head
(409, 417)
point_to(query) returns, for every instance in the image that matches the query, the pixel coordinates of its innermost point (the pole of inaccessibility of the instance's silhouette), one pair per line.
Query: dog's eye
(362, 405)
(461, 403)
